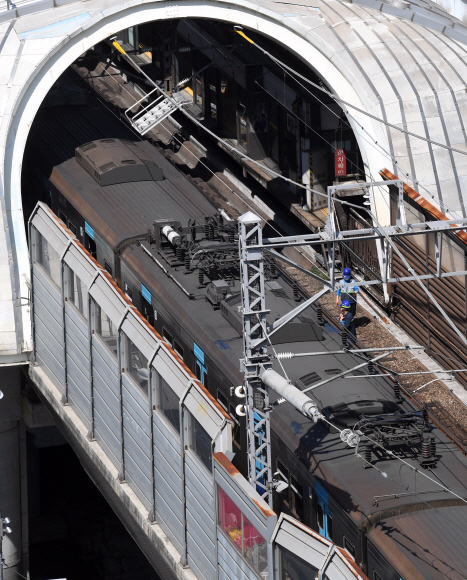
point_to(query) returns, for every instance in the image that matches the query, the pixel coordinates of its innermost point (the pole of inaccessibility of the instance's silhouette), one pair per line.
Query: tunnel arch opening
(67, 50)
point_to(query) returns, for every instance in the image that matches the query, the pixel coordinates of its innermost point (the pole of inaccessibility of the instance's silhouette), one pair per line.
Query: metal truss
(331, 238)
(256, 333)
(255, 354)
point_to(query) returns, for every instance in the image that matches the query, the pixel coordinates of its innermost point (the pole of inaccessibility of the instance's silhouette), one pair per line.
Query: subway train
(396, 502)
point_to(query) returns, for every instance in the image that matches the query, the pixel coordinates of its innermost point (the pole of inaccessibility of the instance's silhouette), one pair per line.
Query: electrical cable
(7, 567)
(339, 100)
(214, 175)
(373, 143)
(390, 453)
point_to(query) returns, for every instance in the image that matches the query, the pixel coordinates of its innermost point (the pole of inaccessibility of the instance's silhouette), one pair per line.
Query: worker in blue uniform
(349, 292)
(346, 319)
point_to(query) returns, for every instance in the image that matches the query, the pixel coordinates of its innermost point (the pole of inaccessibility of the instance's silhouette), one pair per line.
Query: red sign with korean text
(340, 162)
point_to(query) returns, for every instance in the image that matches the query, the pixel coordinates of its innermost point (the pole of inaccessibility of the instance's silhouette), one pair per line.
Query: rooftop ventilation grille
(88, 146)
(107, 166)
(333, 372)
(279, 293)
(308, 380)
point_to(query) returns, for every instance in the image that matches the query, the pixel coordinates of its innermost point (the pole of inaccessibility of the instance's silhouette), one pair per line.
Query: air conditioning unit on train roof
(113, 161)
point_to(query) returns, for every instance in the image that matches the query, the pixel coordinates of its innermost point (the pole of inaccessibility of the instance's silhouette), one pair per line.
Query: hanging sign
(340, 162)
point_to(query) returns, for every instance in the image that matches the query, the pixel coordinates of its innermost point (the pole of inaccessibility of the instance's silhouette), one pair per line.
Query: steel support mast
(256, 357)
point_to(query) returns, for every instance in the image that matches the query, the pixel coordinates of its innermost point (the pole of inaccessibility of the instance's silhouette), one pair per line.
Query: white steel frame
(256, 334)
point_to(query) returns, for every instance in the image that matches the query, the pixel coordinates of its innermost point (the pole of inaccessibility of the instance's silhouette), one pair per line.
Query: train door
(201, 372)
(324, 514)
(89, 242)
(147, 309)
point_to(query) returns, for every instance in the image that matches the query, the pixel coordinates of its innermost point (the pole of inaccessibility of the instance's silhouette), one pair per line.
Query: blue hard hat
(347, 272)
(345, 304)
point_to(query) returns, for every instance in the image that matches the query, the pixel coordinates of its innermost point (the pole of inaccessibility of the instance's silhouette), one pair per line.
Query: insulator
(426, 448)
(273, 270)
(232, 236)
(213, 271)
(240, 410)
(240, 392)
(184, 49)
(344, 338)
(173, 236)
(350, 437)
(200, 277)
(319, 314)
(220, 219)
(397, 392)
(367, 453)
(206, 227)
(426, 420)
(285, 355)
(296, 295)
(179, 252)
(210, 231)
(187, 261)
(371, 368)
(433, 447)
(193, 233)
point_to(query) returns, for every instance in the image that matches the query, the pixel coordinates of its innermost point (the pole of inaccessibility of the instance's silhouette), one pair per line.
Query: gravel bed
(442, 403)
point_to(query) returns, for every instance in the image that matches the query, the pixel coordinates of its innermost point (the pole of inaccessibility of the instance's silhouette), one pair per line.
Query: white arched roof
(402, 62)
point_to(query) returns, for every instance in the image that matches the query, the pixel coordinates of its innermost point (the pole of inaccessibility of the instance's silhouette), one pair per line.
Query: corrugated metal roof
(433, 540)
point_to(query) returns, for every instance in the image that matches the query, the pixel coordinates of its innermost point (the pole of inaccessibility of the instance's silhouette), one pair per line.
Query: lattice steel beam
(255, 353)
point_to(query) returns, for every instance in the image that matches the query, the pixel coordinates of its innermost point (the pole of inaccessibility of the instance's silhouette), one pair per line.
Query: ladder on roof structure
(154, 113)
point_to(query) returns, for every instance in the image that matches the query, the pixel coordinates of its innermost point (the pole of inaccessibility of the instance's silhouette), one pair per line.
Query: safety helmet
(347, 272)
(345, 304)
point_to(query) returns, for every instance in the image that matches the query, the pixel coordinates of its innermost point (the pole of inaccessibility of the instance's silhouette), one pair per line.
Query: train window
(62, 216)
(291, 567)
(73, 229)
(128, 292)
(167, 336)
(200, 442)
(47, 257)
(136, 364)
(296, 496)
(235, 427)
(376, 576)
(349, 547)
(108, 267)
(103, 326)
(178, 349)
(320, 515)
(61, 200)
(223, 402)
(76, 292)
(329, 526)
(168, 402)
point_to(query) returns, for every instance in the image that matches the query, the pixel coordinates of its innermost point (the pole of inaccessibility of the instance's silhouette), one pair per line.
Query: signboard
(340, 162)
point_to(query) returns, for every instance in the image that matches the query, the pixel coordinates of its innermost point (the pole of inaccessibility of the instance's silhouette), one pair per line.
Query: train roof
(384, 489)
(126, 210)
(431, 543)
(358, 490)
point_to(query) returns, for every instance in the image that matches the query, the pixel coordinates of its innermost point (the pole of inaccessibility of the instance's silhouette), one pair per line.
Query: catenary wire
(390, 453)
(373, 142)
(217, 177)
(339, 100)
